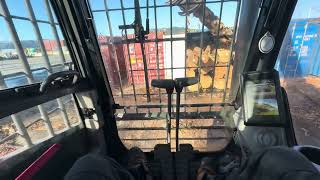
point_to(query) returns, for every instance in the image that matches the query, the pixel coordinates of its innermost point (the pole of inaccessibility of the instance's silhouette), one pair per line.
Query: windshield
(184, 41)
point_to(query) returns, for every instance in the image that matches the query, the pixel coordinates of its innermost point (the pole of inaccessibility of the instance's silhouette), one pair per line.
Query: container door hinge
(88, 112)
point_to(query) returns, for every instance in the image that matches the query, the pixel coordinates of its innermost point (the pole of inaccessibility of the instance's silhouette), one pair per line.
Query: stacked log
(209, 75)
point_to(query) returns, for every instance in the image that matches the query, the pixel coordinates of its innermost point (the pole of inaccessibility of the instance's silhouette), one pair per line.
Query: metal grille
(127, 91)
(175, 35)
(19, 69)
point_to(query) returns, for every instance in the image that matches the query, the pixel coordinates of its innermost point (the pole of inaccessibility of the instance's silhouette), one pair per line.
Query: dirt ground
(304, 100)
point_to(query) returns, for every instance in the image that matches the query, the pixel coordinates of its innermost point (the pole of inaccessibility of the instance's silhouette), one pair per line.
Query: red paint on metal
(39, 163)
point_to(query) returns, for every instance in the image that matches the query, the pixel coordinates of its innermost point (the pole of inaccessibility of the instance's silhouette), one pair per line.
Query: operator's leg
(96, 167)
(279, 163)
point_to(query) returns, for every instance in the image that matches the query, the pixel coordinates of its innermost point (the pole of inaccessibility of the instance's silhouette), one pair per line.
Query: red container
(151, 57)
(110, 63)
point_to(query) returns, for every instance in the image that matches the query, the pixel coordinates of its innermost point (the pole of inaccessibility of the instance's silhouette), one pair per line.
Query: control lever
(59, 77)
(180, 83)
(169, 85)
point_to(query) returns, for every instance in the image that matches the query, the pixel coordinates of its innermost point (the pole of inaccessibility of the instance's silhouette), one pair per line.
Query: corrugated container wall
(151, 57)
(110, 62)
(299, 55)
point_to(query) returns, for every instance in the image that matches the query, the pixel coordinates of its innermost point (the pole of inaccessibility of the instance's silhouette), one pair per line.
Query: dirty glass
(299, 67)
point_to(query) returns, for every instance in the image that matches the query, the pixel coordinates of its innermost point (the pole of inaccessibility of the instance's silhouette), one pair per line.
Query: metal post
(235, 25)
(64, 113)
(23, 58)
(17, 121)
(216, 51)
(145, 69)
(185, 53)
(113, 47)
(157, 50)
(21, 130)
(201, 47)
(46, 57)
(128, 51)
(54, 30)
(171, 42)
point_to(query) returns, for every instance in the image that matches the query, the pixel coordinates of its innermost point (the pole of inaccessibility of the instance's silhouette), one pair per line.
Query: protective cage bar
(129, 44)
(27, 71)
(137, 105)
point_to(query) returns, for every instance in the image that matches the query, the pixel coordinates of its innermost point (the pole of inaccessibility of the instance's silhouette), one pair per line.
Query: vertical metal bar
(16, 41)
(46, 120)
(201, 43)
(64, 113)
(185, 52)
(38, 34)
(145, 69)
(22, 130)
(157, 50)
(171, 42)
(54, 30)
(2, 82)
(216, 51)
(201, 47)
(44, 53)
(23, 58)
(235, 25)
(17, 121)
(113, 47)
(128, 51)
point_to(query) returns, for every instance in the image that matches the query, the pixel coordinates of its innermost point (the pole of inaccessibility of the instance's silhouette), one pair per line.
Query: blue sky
(25, 31)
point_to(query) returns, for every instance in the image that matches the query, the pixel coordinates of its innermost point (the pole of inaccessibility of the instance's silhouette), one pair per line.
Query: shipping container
(110, 61)
(136, 60)
(299, 55)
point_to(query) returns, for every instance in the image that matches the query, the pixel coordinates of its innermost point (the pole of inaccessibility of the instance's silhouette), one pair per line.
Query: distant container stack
(299, 55)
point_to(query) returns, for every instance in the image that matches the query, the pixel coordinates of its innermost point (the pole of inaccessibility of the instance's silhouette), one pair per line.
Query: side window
(299, 67)
(31, 43)
(31, 48)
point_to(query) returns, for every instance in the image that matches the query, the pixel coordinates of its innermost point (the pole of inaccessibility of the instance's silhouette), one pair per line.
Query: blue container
(299, 55)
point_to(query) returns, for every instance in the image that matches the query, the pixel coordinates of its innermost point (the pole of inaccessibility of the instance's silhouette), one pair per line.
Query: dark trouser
(278, 163)
(95, 167)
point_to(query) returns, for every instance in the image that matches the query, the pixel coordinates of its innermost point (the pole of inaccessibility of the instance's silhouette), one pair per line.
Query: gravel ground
(304, 100)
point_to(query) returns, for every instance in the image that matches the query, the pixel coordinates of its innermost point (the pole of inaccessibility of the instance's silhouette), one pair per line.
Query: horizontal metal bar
(33, 122)
(164, 139)
(130, 41)
(187, 67)
(163, 128)
(164, 5)
(23, 97)
(28, 19)
(162, 116)
(139, 94)
(174, 105)
(11, 136)
(32, 70)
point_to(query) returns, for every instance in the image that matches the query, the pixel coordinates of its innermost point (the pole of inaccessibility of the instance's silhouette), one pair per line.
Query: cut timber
(223, 56)
(205, 81)
(219, 83)
(191, 73)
